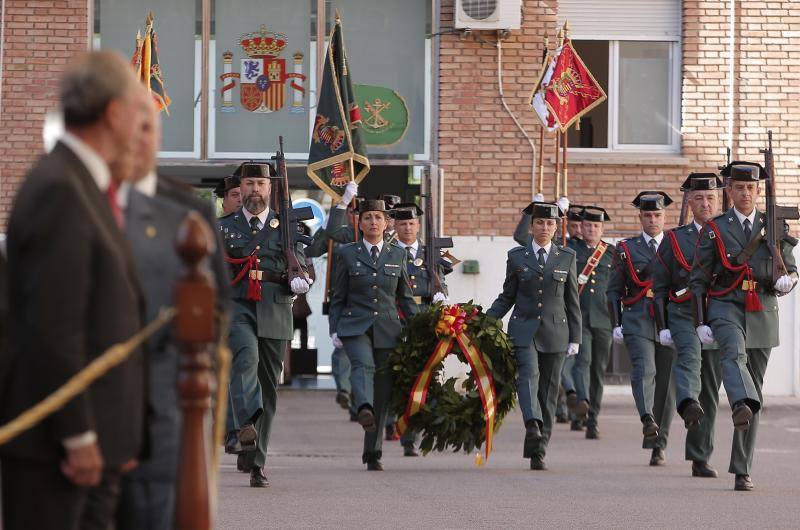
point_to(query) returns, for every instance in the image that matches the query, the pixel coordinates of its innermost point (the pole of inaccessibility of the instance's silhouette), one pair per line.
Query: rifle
(726, 200)
(433, 244)
(776, 215)
(289, 217)
(684, 209)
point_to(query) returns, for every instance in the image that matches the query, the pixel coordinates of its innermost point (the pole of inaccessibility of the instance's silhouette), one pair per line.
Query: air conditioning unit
(488, 14)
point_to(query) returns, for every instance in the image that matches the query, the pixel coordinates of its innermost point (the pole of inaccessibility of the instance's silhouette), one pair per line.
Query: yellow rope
(113, 356)
(224, 356)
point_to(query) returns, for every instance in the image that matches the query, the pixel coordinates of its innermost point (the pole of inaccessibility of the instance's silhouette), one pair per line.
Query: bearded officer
(696, 371)
(261, 319)
(630, 296)
(594, 261)
(406, 224)
(735, 300)
(541, 284)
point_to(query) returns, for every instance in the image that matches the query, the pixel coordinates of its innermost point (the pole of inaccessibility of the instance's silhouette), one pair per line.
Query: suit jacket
(274, 310)
(636, 318)
(75, 293)
(545, 300)
(594, 304)
(708, 273)
(419, 276)
(151, 227)
(368, 294)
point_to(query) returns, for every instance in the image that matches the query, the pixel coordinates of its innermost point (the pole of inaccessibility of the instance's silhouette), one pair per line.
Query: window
(632, 47)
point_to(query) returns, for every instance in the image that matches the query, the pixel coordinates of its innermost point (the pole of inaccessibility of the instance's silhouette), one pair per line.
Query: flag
(537, 101)
(145, 64)
(570, 91)
(385, 119)
(338, 152)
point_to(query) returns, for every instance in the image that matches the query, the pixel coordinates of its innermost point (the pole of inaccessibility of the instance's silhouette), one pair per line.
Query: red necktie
(116, 211)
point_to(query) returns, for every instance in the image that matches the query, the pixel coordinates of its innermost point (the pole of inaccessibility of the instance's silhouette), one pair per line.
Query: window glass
(115, 25)
(594, 124)
(260, 57)
(644, 93)
(386, 46)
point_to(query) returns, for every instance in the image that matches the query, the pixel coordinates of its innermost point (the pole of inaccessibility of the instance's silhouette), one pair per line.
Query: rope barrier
(224, 357)
(79, 382)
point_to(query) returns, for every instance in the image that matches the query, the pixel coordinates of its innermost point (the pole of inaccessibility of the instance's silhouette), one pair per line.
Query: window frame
(676, 59)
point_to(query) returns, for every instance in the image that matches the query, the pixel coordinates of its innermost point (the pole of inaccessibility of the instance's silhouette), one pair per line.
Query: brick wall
(39, 41)
(487, 161)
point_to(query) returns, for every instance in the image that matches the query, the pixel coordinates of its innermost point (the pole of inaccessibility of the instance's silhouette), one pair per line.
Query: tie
(653, 246)
(410, 253)
(747, 229)
(541, 257)
(116, 211)
(255, 224)
(374, 253)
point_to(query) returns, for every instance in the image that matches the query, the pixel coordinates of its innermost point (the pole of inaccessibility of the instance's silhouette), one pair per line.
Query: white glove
(572, 349)
(705, 334)
(784, 284)
(665, 337)
(563, 203)
(324, 224)
(299, 285)
(539, 197)
(439, 297)
(617, 335)
(337, 342)
(350, 191)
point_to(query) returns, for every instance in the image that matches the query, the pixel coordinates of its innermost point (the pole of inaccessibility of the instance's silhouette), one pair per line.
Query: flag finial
(338, 17)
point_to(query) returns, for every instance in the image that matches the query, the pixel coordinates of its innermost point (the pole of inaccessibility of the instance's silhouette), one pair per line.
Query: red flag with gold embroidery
(572, 90)
(148, 70)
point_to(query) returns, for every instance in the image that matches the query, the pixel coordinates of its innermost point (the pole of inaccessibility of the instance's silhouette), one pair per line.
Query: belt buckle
(749, 284)
(418, 299)
(256, 275)
(681, 292)
(650, 294)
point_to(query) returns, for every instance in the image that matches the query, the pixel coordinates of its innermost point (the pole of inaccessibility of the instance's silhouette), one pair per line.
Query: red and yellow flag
(145, 64)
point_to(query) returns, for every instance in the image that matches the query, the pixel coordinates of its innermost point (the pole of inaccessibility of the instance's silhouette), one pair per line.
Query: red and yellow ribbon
(452, 326)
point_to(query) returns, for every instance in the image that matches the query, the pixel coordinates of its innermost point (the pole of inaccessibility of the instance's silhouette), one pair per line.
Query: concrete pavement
(318, 480)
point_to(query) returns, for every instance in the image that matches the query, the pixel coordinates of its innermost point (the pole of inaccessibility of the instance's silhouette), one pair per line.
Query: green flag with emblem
(385, 119)
(338, 152)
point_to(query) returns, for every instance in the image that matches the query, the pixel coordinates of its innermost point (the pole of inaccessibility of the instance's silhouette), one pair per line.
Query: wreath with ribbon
(453, 414)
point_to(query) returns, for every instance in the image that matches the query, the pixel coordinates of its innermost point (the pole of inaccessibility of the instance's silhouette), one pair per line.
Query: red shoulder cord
(676, 250)
(249, 263)
(645, 286)
(752, 302)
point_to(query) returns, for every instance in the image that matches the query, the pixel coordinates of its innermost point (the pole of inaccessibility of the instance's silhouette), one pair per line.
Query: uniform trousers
(597, 344)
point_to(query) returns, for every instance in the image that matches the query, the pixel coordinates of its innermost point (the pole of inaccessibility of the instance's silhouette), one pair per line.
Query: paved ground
(318, 479)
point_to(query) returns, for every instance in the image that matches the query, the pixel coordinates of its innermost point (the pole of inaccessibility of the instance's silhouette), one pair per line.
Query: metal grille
(479, 9)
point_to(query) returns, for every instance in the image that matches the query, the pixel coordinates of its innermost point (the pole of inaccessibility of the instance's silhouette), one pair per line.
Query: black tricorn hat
(595, 214)
(701, 181)
(543, 210)
(225, 185)
(391, 200)
(255, 170)
(652, 200)
(371, 205)
(405, 210)
(575, 212)
(744, 171)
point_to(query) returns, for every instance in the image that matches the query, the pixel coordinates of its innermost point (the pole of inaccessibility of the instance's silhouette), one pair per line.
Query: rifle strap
(646, 287)
(591, 265)
(752, 302)
(681, 258)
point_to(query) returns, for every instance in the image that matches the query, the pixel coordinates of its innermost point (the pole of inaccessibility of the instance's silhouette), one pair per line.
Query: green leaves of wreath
(449, 418)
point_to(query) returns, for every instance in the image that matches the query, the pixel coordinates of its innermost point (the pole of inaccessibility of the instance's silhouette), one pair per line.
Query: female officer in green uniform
(370, 284)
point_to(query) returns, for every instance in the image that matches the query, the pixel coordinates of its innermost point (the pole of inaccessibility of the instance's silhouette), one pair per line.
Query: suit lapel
(735, 228)
(383, 255)
(552, 258)
(758, 224)
(362, 255)
(530, 259)
(241, 221)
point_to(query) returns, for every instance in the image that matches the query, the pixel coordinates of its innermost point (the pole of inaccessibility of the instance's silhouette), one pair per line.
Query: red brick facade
(40, 38)
(486, 161)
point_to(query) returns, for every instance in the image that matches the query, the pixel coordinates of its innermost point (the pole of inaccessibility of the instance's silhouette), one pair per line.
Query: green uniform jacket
(636, 318)
(338, 228)
(274, 311)
(366, 294)
(594, 306)
(419, 277)
(546, 307)
(708, 273)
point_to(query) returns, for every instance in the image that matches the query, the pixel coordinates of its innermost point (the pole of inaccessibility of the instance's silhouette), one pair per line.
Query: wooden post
(194, 329)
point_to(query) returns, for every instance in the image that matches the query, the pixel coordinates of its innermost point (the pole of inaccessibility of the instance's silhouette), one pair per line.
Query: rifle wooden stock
(288, 218)
(433, 244)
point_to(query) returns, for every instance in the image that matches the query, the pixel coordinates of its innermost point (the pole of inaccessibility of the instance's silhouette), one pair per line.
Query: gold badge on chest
(274, 223)
(418, 262)
(150, 231)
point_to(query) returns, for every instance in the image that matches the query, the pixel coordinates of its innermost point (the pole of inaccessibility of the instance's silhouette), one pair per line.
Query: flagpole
(557, 182)
(352, 165)
(540, 186)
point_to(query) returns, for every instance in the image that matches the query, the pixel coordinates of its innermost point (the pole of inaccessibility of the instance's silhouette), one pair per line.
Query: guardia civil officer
(737, 305)
(630, 297)
(406, 223)
(594, 263)
(230, 192)
(261, 316)
(697, 369)
(370, 285)
(541, 285)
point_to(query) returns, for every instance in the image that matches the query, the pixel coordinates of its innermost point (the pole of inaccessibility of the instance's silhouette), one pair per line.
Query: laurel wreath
(452, 416)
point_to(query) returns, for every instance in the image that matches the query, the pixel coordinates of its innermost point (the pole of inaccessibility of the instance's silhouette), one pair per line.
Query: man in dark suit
(75, 293)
